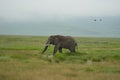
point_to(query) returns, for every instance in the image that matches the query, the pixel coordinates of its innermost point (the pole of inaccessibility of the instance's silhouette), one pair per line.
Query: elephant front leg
(55, 49)
(60, 49)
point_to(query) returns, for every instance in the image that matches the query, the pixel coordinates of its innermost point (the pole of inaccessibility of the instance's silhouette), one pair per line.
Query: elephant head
(51, 40)
(60, 42)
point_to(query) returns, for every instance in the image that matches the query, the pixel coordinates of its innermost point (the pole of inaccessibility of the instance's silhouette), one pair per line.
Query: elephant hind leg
(72, 50)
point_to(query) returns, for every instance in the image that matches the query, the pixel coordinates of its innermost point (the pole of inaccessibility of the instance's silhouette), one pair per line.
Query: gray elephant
(60, 42)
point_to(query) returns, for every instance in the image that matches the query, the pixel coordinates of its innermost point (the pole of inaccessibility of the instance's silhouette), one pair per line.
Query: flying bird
(95, 20)
(100, 19)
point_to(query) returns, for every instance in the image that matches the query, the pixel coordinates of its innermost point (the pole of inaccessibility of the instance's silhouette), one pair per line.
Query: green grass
(96, 59)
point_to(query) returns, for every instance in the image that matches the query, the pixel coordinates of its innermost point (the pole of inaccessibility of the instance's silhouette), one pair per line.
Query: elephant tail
(76, 46)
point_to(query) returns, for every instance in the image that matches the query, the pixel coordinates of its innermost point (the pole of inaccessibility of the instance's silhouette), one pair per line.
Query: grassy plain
(96, 59)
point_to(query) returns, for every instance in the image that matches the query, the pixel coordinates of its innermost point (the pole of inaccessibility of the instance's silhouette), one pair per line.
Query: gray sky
(25, 10)
(67, 17)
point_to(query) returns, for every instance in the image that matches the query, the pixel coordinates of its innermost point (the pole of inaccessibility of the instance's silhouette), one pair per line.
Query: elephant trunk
(45, 49)
(76, 46)
(46, 46)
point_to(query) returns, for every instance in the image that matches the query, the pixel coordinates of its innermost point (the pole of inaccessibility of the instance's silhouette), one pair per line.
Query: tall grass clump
(59, 57)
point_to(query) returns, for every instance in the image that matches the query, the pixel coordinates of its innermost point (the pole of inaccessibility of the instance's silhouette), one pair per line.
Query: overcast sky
(24, 10)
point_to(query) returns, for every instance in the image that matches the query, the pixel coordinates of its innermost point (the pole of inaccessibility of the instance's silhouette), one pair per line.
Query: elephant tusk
(47, 44)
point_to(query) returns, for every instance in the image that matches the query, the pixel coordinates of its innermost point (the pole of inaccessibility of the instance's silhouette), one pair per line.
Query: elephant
(59, 42)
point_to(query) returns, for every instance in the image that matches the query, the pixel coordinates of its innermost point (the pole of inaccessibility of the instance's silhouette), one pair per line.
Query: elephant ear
(51, 37)
(56, 40)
